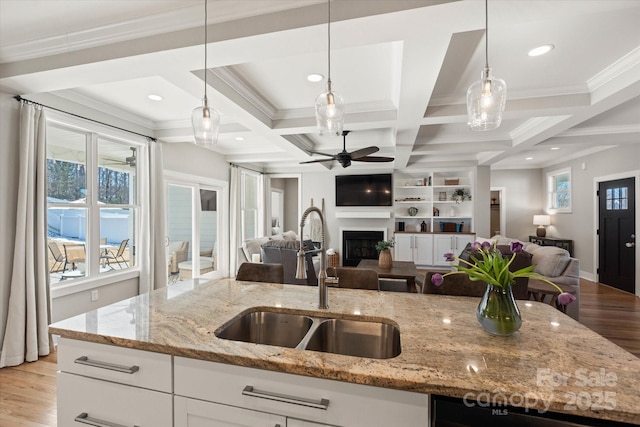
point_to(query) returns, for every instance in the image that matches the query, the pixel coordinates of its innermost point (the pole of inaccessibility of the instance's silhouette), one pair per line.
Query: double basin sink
(307, 331)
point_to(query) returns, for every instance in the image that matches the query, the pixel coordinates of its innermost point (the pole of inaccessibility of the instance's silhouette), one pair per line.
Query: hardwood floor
(28, 391)
(28, 394)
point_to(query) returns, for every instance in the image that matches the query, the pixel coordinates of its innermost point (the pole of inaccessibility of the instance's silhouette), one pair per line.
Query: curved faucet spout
(301, 271)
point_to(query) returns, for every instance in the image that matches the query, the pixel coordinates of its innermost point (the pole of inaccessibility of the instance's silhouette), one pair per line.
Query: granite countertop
(552, 363)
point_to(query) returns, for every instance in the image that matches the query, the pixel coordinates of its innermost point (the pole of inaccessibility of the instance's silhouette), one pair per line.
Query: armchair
(177, 252)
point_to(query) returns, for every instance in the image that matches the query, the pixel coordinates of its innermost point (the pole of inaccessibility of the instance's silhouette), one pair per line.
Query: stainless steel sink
(375, 340)
(372, 339)
(266, 327)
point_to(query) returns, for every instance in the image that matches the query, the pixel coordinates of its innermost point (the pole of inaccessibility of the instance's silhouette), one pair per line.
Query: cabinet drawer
(286, 394)
(196, 413)
(109, 402)
(118, 364)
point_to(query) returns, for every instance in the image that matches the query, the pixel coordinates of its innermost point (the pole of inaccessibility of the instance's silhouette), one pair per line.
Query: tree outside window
(559, 190)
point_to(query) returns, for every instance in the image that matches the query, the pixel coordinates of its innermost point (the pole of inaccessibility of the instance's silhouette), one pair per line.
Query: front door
(617, 234)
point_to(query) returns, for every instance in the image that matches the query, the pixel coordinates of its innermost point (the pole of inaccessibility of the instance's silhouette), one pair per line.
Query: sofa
(556, 265)
(282, 249)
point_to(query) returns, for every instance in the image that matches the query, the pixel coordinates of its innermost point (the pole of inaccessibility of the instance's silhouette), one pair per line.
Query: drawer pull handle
(250, 391)
(84, 418)
(84, 360)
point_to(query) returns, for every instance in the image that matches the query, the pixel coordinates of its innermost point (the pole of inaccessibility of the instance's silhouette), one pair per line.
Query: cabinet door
(460, 242)
(423, 249)
(97, 402)
(442, 244)
(197, 413)
(403, 249)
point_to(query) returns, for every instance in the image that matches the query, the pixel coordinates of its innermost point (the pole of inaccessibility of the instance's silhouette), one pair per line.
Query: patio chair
(117, 256)
(74, 253)
(58, 256)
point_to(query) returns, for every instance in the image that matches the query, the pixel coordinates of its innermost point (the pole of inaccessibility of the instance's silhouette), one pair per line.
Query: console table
(553, 241)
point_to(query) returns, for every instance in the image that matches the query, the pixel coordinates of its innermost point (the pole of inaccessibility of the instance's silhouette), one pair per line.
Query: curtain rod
(21, 99)
(244, 167)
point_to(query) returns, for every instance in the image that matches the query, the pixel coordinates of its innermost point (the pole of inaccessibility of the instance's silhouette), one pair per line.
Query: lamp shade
(329, 112)
(541, 220)
(486, 99)
(206, 125)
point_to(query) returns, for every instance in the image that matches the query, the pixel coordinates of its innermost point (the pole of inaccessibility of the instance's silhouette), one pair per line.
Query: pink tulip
(566, 298)
(437, 279)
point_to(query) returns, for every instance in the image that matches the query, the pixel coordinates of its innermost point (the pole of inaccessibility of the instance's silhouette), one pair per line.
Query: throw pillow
(290, 235)
(550, 261)
(252, 246)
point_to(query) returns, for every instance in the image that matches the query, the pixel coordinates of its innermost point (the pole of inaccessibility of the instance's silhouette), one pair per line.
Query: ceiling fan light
(486, 99)
(206, 125)
(330, 113)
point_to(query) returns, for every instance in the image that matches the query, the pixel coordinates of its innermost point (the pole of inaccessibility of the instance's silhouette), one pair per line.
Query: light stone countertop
(552, 363)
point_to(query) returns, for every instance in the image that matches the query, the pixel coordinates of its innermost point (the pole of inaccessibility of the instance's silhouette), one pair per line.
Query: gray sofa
(556, 265)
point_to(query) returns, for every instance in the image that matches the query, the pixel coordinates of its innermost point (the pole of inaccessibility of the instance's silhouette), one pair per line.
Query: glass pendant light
(205, 120)
(486, 98)
(329, 105)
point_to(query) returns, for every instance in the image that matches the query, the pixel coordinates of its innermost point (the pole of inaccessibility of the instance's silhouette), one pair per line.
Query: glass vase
(497, 312)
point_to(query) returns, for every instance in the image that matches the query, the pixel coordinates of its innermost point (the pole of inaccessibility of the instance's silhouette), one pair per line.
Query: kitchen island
(553, 363)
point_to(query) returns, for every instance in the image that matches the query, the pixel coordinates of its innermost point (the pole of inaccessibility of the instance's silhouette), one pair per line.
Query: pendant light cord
(486, 32)
(329, 39)
(206, 21)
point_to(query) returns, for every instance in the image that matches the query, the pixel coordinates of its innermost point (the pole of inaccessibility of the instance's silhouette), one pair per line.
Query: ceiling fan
(129, 161)
(345, 158)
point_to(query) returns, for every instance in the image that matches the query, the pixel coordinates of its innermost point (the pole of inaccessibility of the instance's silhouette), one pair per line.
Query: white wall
(191, 159)
(482, 197)
(523, 200)
(579, 225)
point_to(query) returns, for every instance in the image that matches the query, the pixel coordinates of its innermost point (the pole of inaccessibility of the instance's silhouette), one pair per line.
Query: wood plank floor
(27, 392)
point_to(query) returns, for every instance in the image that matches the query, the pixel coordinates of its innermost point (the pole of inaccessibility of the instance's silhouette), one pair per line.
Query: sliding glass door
(196, 239)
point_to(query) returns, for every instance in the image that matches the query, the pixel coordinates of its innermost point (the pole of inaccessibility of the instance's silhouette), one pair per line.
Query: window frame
(260, 204)
(93, 133)
(552, 190)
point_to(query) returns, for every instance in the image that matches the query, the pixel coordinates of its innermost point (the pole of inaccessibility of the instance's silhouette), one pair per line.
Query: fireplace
(360, 244)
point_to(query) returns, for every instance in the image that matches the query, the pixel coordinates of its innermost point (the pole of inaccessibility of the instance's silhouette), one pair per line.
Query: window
(617, 198)
(92, 206)
(251, 205)
(559, 188)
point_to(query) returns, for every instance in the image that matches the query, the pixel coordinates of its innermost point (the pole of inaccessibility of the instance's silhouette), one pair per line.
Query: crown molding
(618, 68)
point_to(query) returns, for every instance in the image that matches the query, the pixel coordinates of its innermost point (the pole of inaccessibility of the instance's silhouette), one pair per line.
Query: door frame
(503, 211)
(596, 242)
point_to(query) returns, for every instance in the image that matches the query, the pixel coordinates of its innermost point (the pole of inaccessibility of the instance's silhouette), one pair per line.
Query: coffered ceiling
(402, 67)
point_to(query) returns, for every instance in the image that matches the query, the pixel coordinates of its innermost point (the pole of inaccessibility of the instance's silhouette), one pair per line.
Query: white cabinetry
(100, 384)
(302, 401)
(414, 247)
(449, 243)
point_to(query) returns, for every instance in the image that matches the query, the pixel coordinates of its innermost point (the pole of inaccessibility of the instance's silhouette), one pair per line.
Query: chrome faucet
(301, 270)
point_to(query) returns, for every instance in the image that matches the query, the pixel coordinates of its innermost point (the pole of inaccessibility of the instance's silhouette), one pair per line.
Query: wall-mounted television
(364, 190)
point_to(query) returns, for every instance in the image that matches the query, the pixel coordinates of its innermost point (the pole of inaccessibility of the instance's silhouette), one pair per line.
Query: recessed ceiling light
(154, 97)
(555, 148)
(541, 50)
(239, 138)
(315, 77)
(529, 158)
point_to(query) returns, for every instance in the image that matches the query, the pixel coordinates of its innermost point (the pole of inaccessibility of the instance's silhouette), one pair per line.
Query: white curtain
(26, 336)
(235, 218)
(154, 270)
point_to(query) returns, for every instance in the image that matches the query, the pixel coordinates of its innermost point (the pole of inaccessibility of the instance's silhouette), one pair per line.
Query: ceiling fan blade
(374, 159)
(363, 152)
(321, 154)
(318, 161)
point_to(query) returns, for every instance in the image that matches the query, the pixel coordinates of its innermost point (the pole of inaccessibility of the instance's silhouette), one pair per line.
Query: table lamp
(541, 221)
